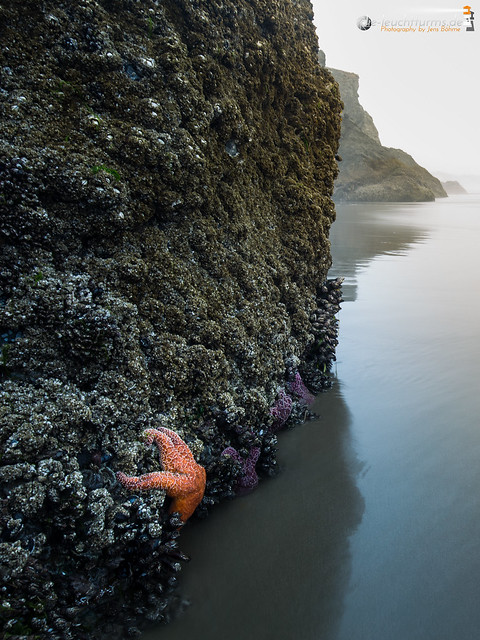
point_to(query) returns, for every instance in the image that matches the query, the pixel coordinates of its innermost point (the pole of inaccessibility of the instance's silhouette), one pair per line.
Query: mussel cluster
(94, 548)
(98, 572)
(320, 354)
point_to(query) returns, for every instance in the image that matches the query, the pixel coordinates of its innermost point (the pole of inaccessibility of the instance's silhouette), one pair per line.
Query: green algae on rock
(165, 205)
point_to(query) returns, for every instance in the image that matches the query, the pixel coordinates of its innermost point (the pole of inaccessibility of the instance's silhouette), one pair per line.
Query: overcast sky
(422, 89)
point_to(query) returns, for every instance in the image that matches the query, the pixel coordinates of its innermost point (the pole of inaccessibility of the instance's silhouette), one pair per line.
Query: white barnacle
(148, 62)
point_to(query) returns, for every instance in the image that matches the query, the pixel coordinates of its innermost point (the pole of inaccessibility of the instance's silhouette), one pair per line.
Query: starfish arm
(182, 448)
(170, 457)
(155, 480)
(252, 460)
(175, 484)
(233, 453)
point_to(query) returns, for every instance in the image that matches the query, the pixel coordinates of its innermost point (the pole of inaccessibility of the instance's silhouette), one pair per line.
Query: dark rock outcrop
(370, 172)
(165, 203)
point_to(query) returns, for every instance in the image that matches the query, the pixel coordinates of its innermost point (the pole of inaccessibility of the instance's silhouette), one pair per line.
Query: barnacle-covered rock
(13, 558)
(164, 212)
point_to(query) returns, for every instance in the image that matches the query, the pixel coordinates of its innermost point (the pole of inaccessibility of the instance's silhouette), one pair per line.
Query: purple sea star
(281, 410)
(249, 478)
(298, 388)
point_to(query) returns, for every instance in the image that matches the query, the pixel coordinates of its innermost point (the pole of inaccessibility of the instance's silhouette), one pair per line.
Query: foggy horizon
(420, 88)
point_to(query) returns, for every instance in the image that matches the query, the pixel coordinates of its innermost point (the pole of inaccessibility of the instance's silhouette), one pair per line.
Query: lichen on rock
(166, 174)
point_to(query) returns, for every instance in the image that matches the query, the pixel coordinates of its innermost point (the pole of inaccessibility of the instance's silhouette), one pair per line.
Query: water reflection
(408, 360)
(363, 231)
(276, 564)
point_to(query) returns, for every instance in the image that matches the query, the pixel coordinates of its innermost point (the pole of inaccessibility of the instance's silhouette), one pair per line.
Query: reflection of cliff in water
(276, 563)
(362, 232)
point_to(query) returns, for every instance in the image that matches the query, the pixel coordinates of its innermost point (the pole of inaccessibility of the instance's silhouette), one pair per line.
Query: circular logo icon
(364, 23)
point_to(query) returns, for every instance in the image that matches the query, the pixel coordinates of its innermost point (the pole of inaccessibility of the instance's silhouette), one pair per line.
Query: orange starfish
(183, 479)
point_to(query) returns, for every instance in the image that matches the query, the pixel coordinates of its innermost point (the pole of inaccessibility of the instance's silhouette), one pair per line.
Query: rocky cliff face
(370, 172)
(352, 109)
(165, 205)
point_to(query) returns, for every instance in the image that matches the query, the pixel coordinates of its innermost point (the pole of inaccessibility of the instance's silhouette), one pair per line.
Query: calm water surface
(409, 363)
(371, 530)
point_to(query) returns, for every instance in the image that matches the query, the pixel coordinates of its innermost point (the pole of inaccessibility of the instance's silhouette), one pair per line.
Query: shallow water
(370, 532)
(409, 364)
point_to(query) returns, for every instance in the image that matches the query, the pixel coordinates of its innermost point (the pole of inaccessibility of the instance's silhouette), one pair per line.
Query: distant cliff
(370, 172)
(454, 188)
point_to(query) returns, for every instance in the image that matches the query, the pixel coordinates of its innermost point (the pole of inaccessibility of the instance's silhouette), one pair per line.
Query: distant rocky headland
(370, 172)
(454, 188)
